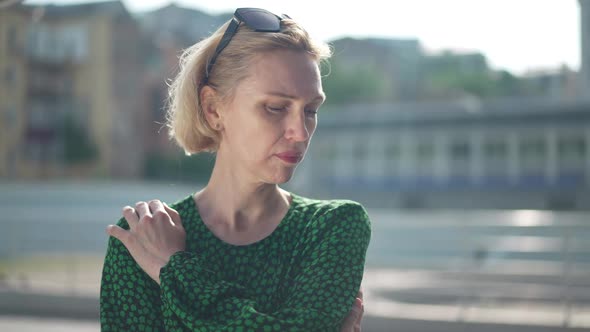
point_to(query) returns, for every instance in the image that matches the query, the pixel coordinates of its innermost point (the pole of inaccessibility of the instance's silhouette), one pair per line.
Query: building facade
(71, 91)
(12, 88)
(499, 154)
(167, 32)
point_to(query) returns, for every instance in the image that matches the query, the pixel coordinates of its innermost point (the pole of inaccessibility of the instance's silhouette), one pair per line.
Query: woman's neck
(237, 203)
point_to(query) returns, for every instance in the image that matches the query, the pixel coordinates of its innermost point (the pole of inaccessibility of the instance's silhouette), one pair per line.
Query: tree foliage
(196, 168)
(356, 84)
(78, 145)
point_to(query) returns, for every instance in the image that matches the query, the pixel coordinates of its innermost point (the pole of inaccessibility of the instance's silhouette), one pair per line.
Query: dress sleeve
(129, 298)
(320, 295)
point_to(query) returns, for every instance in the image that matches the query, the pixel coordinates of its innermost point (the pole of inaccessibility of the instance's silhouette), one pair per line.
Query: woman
(242, 254)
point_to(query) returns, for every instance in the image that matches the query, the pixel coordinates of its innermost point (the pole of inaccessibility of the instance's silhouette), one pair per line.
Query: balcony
(57, 46)
(52, 59)
(41, 135)
(49, 83)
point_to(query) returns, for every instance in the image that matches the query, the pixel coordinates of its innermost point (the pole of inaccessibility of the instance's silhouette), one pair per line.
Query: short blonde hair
(185, 117)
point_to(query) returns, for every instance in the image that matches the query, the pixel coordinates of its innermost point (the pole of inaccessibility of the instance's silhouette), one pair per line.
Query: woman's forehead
(290, 73)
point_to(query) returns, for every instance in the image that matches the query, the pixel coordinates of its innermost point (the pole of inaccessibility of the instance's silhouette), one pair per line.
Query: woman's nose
(297, 127)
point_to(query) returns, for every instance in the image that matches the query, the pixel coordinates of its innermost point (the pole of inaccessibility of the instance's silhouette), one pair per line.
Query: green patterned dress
(302, 277)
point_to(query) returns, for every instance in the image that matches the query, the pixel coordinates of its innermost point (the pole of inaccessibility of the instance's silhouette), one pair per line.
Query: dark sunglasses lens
(259, 19)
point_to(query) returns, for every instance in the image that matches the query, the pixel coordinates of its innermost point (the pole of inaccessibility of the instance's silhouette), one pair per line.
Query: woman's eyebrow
(321, 97)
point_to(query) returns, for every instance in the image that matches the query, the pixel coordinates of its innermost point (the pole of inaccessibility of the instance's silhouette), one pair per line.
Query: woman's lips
(290, 158)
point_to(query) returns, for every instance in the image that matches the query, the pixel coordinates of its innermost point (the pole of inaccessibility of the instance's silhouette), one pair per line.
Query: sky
(517, 35)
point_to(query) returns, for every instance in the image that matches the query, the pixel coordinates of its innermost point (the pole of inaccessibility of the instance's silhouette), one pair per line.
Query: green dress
(304, 276)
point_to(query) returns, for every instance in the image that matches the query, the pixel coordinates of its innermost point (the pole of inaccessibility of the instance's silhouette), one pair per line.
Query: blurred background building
(72, 85)
(404, 128)
(503, 153)
(166, 32)
(84, 90)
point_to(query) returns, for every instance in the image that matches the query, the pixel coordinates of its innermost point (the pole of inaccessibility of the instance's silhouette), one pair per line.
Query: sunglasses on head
(259, 20)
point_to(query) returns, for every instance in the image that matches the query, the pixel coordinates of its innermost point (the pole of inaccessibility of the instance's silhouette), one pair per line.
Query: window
(12, 38)
(360, 155)
(34, 151)
(10, 76)
(571, 148)
(392, 157)
(424, 151)
(10, 117)
(392, 151)
(360, 150)
(460, 150)
(40, 117)
(74, 40)
(495, 150)
(533, 148)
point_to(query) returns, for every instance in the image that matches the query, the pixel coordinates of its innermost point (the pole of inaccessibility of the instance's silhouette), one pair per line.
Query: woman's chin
(281, 176)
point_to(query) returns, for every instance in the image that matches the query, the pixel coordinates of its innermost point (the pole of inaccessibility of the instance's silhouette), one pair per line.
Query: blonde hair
(185, 118)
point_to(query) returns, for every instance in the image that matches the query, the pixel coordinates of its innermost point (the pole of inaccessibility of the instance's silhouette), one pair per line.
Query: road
(37, 324)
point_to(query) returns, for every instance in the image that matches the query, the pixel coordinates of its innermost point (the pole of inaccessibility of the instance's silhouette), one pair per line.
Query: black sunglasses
(260, 20)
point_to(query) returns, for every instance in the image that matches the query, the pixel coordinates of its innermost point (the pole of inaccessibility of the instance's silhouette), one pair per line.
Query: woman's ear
(209, 103)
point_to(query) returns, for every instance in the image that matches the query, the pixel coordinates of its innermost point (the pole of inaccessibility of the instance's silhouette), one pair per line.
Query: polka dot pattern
(302, 277)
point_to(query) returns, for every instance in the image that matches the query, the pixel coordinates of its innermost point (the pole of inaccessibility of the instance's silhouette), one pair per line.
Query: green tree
(78, 145)
(344, 84)
(195, 168)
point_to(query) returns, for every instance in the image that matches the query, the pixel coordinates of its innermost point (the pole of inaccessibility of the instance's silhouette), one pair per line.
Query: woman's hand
(155, 233)
(352, 323)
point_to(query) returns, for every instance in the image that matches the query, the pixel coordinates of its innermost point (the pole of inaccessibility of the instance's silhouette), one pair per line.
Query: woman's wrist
(163, 262)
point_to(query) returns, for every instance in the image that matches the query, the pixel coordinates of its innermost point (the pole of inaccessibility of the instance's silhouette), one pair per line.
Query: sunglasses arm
(225, 39)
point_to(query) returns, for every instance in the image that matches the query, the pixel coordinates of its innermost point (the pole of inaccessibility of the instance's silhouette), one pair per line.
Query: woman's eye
(311, 112)
(276, 109)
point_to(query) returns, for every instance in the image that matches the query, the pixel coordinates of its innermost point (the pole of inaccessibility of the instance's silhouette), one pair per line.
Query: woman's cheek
(312, 125)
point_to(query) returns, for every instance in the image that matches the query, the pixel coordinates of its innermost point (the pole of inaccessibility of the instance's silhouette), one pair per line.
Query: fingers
(130, 216)
(359, 316)
(119, 233)
(142, 210)
(359, 306)
(154, 208)
(353, 320)
(173, 214)
(157, 209)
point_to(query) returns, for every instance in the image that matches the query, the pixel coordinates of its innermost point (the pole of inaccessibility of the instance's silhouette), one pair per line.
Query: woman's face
(270, 120)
